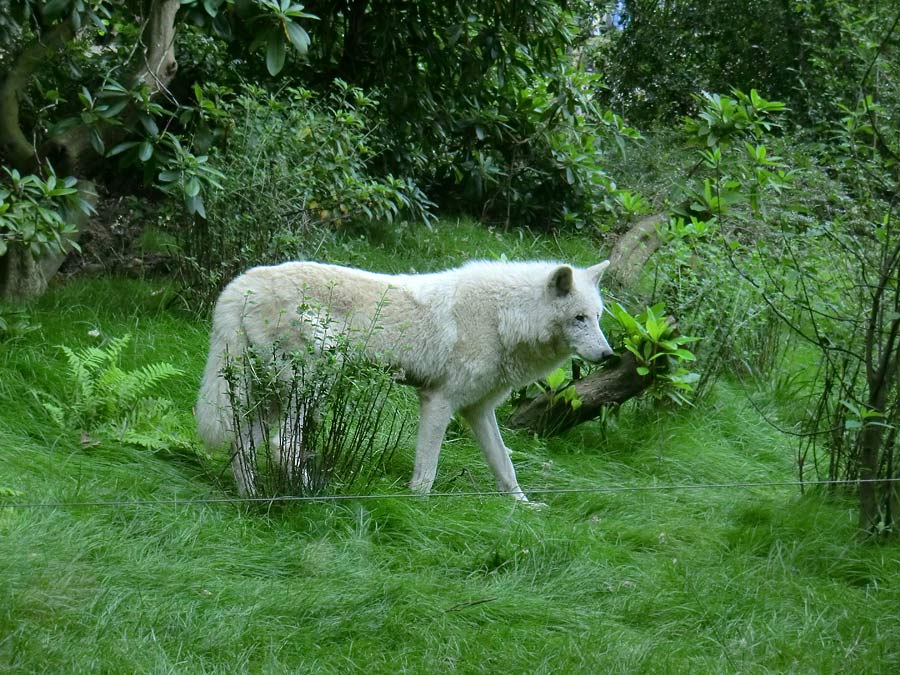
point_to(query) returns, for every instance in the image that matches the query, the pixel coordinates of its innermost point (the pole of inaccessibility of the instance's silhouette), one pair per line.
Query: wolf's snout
(600, 353)
(605, 353)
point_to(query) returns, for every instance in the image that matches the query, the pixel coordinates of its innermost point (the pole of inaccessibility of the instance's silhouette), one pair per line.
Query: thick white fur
(464, 337)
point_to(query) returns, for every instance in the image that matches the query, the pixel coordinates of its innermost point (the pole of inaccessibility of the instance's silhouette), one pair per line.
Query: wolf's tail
(213, 411)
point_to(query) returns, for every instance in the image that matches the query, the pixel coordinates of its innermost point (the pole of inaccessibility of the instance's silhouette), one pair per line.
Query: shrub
(659, 351)
(336, 426)
(32, 212)
(537, 156)
(294, 168)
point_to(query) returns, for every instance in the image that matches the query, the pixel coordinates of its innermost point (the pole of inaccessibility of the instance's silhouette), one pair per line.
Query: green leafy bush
(659, 351)
(537, 155)
(147, 147)
(296, 167)
(561, 388)
(32, 212)
(734, 166)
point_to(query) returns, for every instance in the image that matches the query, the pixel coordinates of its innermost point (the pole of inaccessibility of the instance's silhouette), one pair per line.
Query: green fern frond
(57, 414)
(157, 425)
(108, 400)
(138, 383)
(80, 371)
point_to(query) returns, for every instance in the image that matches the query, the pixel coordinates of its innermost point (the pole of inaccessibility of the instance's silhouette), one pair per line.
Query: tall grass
(760, 580)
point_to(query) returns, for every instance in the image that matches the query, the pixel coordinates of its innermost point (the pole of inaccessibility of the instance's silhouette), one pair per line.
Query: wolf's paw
(522, 500)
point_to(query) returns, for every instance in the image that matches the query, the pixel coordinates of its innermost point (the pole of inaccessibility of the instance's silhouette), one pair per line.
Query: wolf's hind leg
(288, 446)
(483, 420)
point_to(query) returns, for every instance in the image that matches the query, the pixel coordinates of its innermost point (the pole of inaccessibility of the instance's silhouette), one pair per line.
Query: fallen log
(632, 250)
(615, 383)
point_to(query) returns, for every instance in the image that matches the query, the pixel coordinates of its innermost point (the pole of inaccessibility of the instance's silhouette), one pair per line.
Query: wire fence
(175, 501)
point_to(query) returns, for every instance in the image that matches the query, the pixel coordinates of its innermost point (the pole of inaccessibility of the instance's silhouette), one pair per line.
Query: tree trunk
(22, 277)
(548, 415)
(18, 148)
(351, 54)
(156, 69)
(158, 39)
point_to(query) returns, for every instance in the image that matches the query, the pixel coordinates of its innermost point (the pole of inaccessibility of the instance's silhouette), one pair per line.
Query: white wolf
(464, 338)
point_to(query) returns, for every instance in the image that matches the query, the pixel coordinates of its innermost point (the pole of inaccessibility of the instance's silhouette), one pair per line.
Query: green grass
(761, 580)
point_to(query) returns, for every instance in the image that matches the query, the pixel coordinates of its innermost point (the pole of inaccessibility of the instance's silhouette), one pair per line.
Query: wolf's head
(578, 306)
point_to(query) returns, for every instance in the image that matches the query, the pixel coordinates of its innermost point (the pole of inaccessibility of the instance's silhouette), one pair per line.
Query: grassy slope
(713, 581)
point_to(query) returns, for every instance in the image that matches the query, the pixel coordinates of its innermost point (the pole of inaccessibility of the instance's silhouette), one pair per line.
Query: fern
(53, 407)
(107, 401)
(131, 387)
(95, 376)
(156, 425)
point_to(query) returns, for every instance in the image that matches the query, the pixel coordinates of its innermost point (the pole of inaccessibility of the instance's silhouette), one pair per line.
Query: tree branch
(158, 38)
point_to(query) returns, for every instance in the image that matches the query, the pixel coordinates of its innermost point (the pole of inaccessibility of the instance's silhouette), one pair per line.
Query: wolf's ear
(561, 281)
(597, 271)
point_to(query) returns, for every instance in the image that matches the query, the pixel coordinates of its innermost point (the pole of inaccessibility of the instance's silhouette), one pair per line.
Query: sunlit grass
(760, 580)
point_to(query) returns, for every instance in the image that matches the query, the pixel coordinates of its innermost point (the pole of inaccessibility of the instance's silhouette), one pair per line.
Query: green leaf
(634, 349)
(150, 125)
(195, 206)
(624, 318)
(643, 370)
(298, 37)
(275, 55)
(145, 152)
(656, 327)
(556, 378)
(192, 187)
(114, 109)
(97, 142)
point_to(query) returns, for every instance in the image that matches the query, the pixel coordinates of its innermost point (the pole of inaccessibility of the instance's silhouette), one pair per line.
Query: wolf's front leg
(435, 412)
(483, 421)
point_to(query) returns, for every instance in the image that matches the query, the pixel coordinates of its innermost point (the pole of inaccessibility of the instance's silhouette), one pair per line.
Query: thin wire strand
(416, 495)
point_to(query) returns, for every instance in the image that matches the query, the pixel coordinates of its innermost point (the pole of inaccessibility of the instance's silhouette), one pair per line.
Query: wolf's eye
(580, 317)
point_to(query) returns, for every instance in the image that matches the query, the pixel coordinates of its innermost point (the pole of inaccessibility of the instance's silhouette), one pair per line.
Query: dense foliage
(812, 55)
